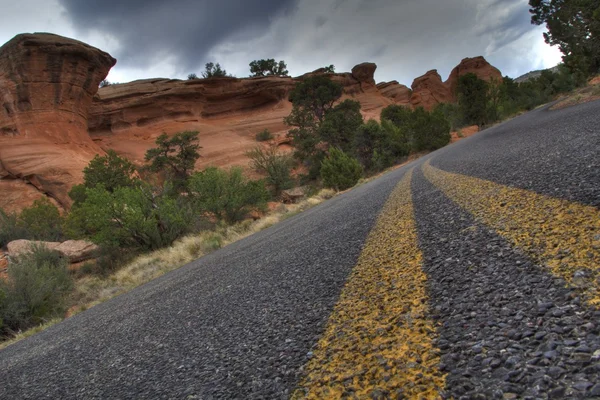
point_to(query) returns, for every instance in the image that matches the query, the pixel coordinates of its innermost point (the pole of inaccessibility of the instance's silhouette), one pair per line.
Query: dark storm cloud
(150, 30)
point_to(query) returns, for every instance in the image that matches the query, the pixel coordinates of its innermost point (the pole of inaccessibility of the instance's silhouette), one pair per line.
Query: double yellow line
(379, 341)
(562, 235)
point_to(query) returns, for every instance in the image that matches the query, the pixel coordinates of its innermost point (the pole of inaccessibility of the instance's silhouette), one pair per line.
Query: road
(471, 272)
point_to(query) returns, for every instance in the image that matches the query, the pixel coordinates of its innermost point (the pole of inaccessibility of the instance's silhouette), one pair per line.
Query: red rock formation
(365, 72)
(429, 90)
(50, 128)
(46, 87)
(400, 94)
(478, 66)
(228, 112)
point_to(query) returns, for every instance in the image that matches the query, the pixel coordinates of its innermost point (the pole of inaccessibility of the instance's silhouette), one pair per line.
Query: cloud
(151, 30)
(406, 38)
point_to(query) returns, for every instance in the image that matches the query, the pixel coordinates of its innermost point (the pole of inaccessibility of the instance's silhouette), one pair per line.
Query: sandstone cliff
(53, 118)
(46, 87)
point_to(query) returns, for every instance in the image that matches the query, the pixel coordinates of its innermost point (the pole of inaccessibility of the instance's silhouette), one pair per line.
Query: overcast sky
(405, 38)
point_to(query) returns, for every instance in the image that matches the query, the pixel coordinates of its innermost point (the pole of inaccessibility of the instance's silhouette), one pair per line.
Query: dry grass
(588, 93)
(92, 290)
(30, 332)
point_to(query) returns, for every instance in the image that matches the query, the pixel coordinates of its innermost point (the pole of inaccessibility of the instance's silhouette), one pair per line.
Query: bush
(340, 171)
(37, 285)
(263, 136)
(226, 194)
(430, 130)
(10, 229)
(42, 221)
(275, 165)
(140, 217)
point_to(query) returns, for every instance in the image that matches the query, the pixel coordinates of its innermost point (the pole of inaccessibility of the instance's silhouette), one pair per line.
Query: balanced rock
(47, 83)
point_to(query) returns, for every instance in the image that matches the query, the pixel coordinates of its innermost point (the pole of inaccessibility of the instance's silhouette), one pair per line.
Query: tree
(340, 125)
(192, 76)
(139, 217)
(573, 26)
(104, 83)
(110, 170)
(226, 194)
(370, 138)
(176, 156)
(268, 67)
(275, 165)
(212, 70)
(340, 171)
(330, 69)
(316, 94)
(473, 99)
(312, 99)
(430, 130)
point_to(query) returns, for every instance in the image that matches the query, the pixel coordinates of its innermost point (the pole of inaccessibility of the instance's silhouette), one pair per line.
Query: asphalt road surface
(470, 273)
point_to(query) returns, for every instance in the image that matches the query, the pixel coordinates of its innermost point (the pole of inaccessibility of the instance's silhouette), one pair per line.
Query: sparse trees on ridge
(268, 67)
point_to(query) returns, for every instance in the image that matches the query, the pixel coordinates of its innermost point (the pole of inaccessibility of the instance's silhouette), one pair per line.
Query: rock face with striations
(429, 90)
(400, 94)
(228, 112)
(54, 119)
(47, 83)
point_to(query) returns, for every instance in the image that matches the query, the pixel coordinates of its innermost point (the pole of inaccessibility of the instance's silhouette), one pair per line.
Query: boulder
(294, 194)
(47, 83)
(22, 246)
(365, 72)
(77, 251)
(74, 250)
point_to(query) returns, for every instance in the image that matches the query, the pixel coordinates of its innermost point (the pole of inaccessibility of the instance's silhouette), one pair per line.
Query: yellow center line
(378, 342)
(562, 235)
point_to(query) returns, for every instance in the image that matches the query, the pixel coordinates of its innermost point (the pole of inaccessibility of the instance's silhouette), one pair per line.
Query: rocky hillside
(54, 119)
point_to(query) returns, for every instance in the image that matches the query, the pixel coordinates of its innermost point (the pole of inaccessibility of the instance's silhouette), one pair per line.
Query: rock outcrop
(400, 94)
(429, 90)
(365, 72)
(228, 112)
(476, 65)
(47, 83)
(53, 118)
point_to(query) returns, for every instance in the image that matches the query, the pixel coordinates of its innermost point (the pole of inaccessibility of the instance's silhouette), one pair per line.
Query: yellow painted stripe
(379, 341)
(562, 235)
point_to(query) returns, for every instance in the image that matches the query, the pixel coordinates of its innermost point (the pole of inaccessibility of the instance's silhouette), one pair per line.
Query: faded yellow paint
(379, 341)
(562, 235)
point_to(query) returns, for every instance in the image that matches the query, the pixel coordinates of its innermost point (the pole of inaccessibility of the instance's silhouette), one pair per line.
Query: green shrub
(140, 217)
(10, 229)
(430, 130)
(226, 194)
(263, 136)
(276, 166)
(37, 285)
(340, 125)
(42, 221)
(340, 171)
